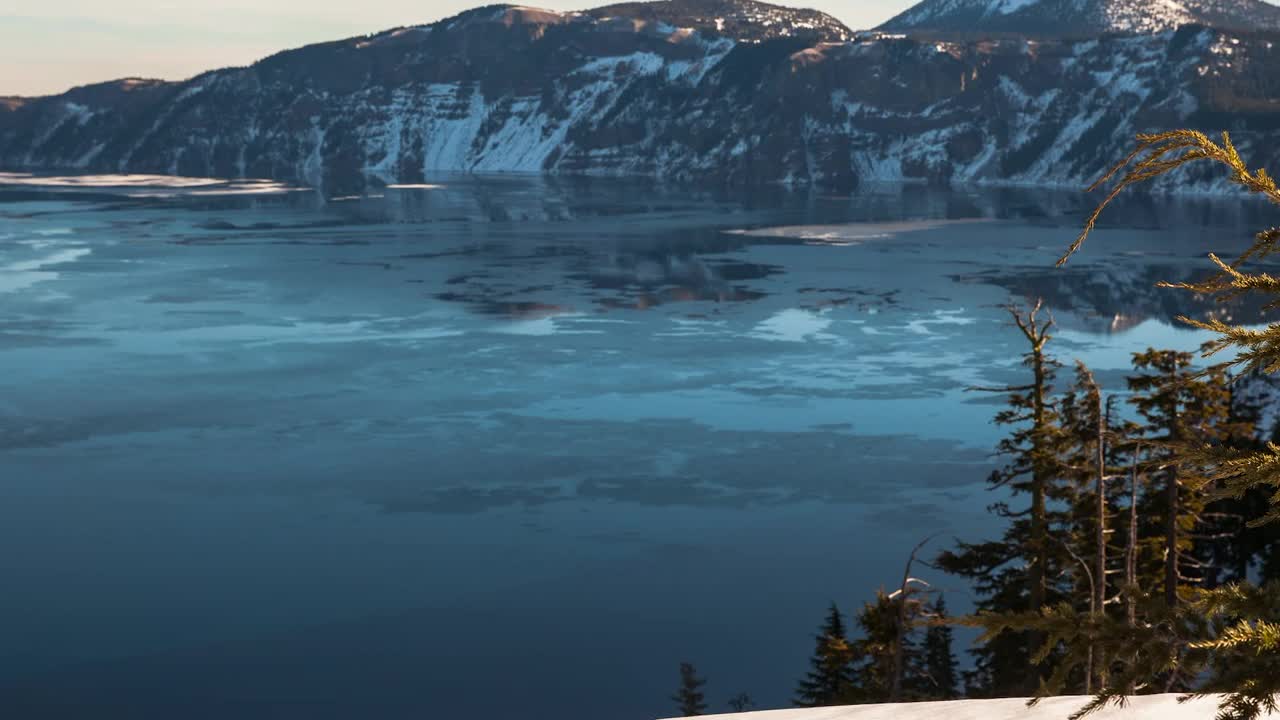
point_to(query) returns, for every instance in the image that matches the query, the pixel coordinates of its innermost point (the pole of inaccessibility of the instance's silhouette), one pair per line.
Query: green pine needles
(1180, 634)
(1160, 153)
(1141, 549)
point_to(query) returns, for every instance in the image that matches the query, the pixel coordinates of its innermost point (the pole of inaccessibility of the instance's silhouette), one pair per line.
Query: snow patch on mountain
(633, 92)
(1007, 7)
(1075, 17)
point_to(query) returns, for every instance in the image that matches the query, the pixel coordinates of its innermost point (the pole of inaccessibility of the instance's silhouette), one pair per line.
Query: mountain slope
(1080, 17)
(738, 19)
(627, 90)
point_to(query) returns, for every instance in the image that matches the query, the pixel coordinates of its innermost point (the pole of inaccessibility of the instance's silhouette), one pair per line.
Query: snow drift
(1143, 707)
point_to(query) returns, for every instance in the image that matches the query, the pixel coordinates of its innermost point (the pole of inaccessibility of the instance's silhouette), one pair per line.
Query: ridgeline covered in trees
(1140, 550)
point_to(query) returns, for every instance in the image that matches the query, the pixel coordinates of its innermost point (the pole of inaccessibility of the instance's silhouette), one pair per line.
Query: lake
(511, 447)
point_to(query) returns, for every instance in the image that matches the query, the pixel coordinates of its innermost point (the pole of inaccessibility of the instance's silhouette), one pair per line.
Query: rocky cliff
(715, 91)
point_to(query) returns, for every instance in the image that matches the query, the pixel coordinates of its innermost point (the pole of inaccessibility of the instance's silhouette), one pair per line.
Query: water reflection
(342, 424)
(1118, 297)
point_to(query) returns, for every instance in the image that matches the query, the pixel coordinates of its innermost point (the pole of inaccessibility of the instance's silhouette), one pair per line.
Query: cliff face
(683, 90)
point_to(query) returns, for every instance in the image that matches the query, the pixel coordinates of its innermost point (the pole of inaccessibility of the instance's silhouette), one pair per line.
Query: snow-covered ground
(1145, 707)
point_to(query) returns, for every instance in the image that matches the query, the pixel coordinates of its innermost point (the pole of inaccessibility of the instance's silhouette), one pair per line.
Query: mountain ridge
(1081, 17)
(771, 95)
(741, 19)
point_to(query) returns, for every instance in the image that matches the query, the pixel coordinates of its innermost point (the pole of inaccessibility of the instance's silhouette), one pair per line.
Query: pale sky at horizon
(49, 46)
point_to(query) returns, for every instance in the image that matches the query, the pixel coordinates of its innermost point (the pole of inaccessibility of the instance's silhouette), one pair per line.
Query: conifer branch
(1229, 636)
(1168, 151)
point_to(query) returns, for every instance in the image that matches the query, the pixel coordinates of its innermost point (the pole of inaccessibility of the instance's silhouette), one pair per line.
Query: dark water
(510, 448)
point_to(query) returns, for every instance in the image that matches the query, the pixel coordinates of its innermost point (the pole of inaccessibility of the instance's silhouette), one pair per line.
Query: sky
(48, 46)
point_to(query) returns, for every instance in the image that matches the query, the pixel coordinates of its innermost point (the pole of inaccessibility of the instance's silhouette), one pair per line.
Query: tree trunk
(1131, 558)
(1039, 531)
(1174, 418)
(1100, 562)
(1042, 469)
(899, 635)
(1171, 540)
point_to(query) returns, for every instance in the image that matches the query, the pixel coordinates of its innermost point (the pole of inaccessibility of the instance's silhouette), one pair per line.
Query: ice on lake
(509, 446)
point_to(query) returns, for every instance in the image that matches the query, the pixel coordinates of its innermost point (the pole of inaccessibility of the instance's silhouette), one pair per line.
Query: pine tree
(907, 661)
(1168, 510)
(941, 671)
(689, 697)
(830, 677)
(886, 649)
(1232, 550)
(741, 702)
(1179, 408)
(875, 650)
(889, 664)
(1021, 572)
(1090, 458)
(1228, 635)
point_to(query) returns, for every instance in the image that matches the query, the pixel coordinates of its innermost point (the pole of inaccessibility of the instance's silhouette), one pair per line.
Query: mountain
(744, 20)
(707, 91)
(1080, 17)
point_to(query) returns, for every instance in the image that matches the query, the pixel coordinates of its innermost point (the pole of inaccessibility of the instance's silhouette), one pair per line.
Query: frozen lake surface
(511, 448)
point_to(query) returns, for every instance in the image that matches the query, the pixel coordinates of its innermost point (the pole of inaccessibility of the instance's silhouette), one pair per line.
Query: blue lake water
(511, 448)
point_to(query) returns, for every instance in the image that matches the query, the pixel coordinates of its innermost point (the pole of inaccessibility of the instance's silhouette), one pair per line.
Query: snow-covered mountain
(738, 19)
(713, 91)
(1080, 17)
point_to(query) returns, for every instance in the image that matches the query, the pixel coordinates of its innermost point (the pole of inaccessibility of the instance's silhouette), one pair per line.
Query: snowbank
(1145, 707)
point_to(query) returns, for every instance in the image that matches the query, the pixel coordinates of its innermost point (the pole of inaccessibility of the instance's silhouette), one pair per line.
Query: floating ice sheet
(414, 186)
(852, 233)
(149, 185)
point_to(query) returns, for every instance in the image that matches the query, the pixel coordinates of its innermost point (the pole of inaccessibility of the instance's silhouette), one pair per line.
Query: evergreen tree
(1227, 637)
(874, 651)
(1179, 408)
(941, 671)
(741, 702)
(1232, 549)
(1182, 408)
(1023, 571)
(890, 663)
(689, 697)
(830, 677)
(907, 662)
(1087, 424)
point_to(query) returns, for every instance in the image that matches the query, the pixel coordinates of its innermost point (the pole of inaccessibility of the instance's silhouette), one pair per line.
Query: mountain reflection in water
(318, 454)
